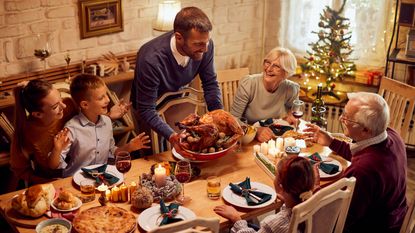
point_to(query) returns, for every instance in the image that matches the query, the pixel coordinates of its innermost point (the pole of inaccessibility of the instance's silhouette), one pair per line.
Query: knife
(255, 199)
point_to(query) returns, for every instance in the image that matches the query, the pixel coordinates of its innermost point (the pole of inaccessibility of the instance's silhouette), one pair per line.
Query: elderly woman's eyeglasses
(268, 64)
(344, 118)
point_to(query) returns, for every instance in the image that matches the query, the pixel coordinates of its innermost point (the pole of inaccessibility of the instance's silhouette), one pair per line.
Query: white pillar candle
(272, 152)
(271, 144)
(280, 144)
(160, 176)
(264, 148)
(290, 141)
(257, 148)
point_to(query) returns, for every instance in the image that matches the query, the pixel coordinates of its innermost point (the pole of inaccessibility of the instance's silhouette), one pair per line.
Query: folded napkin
(267, 122)
(244, 189)
(168, 213)
(100, 175)
(327, 168)
(279, 130)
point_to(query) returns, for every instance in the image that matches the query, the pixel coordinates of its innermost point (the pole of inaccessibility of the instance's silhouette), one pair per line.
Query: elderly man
(378, 159)
(171, 61)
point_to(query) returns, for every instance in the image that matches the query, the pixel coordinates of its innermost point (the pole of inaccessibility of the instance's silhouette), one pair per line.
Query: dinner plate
(149, 218)
(240, 201)
(324, 175)
(111, 169)
(180, 157)
(77, 206)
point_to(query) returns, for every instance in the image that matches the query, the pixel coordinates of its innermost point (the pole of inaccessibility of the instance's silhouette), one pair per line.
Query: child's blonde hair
(81, 86)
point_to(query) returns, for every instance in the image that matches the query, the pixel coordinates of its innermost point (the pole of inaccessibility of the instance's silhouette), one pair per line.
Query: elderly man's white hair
(373, 111)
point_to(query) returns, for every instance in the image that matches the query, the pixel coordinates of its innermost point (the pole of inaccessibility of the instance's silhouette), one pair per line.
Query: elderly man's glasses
(268, 64)
(344, 118)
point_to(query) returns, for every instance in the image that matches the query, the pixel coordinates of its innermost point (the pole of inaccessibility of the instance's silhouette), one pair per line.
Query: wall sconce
(166, 14)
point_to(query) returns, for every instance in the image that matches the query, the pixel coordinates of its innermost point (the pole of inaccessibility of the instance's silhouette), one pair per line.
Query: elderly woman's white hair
(373, 111)
(286, 58)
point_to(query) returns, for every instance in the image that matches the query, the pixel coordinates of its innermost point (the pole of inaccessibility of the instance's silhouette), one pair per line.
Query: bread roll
(35, 201)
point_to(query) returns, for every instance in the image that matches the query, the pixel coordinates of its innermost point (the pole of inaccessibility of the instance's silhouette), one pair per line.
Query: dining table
(233, 167)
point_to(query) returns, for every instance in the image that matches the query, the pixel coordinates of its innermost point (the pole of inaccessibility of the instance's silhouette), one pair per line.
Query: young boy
(90, 132)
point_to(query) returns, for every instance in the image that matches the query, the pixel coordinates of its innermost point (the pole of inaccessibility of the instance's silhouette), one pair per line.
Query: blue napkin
(327, 168)
(277, 129)
(100, 175)
(244, 189)
(267, 122)
(168, 213)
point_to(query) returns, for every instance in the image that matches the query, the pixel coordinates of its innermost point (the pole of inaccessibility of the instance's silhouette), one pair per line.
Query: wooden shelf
(398, 55)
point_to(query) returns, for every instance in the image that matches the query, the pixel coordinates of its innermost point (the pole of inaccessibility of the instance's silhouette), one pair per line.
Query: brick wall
(237, 32)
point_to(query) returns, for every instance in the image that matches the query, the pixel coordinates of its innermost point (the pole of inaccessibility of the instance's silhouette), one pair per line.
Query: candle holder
(103, 200)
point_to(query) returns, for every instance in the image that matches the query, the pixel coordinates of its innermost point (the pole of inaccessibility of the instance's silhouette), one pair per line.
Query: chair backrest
(326, 210)
(184, 102)
(408, 225)
(197, 225)
(228, 83)
(401, 100)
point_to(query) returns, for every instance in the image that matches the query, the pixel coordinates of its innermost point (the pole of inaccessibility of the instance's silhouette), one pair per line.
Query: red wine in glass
(183, 177)
(298, 114)
(123, 166)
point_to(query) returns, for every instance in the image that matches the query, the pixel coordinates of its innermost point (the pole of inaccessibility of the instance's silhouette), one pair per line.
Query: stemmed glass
(123, 162)
(42, 49)
(244, 125)
(297, 110)
(183, 173)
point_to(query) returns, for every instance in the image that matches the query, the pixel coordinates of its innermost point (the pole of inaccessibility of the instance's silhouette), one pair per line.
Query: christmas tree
(329, 55)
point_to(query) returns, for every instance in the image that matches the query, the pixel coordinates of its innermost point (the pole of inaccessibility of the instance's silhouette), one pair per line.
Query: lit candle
(290, 141)
(160, 176)
(280, 144)
(124, 193)
(271, 144)
(115, 193)
(272, 152)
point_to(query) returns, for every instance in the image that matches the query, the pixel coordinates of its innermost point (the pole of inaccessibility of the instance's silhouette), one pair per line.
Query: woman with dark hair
(294, 182)
(40, 115)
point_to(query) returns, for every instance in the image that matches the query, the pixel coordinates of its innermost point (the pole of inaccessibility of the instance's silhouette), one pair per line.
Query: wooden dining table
(234, 167)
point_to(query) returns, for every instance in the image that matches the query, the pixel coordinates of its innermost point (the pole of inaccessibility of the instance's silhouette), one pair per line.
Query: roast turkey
(213, 131)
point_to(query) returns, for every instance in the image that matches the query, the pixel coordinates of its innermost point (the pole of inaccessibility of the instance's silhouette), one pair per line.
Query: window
(368, 23)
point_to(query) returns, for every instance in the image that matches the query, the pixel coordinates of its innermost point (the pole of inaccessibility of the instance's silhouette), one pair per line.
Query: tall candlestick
(160, 176)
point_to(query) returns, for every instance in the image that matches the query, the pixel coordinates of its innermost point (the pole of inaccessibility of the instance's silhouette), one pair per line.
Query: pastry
(35, 201)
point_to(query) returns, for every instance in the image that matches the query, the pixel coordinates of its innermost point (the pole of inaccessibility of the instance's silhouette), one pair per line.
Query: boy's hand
(119, 109)
(61, 140)
(227, 212)
(139, 142)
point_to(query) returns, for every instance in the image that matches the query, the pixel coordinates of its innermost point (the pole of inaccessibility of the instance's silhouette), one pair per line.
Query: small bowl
(292, 150)
(52, 221)
(249, 135)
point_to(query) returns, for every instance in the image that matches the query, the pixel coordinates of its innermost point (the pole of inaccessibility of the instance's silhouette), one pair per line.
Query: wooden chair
(228, 84)
(408, 225)
(401, 100)
(197, 225)
(326, 210)
(173, 107)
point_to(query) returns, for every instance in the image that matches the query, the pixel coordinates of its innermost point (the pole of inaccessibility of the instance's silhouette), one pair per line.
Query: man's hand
(318, 135)
(119, 110)
(141, 141)
(175, 142)
(264, 134)
(227, 212)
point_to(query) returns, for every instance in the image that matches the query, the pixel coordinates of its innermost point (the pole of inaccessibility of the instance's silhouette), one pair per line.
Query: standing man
(378, 159)
(171, 61)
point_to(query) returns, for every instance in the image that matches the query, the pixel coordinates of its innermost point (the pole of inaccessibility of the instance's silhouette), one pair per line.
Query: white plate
(111, 169)
(77, 206)
(148, 218)
(331, 161)
(180, 157)
(275, 121)
(240, 201)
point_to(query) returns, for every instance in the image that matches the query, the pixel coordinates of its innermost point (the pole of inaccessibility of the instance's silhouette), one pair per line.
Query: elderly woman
(269, 94)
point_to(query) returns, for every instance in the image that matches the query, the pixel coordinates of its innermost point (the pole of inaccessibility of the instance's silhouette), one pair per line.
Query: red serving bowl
(211, 156)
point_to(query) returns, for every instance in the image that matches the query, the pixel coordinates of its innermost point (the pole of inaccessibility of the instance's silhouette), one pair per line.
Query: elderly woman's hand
(264, 134)
(318, 135)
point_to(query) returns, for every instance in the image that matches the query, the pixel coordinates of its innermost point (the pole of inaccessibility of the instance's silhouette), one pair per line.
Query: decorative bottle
(318, 109)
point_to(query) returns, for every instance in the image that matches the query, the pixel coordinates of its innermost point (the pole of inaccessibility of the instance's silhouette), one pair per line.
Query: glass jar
(318, 116)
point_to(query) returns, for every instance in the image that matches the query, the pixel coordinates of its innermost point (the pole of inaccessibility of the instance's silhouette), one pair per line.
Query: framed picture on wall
(100, 17)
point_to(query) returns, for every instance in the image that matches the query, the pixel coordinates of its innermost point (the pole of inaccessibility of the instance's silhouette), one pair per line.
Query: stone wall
(237, 32)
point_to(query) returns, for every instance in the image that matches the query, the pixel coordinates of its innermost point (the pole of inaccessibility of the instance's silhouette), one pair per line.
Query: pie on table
(104, 219)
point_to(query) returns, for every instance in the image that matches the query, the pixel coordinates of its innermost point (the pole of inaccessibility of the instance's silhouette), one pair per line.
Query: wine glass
(297, 110)
(123, 162)
(42, 49)
(183, 172)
